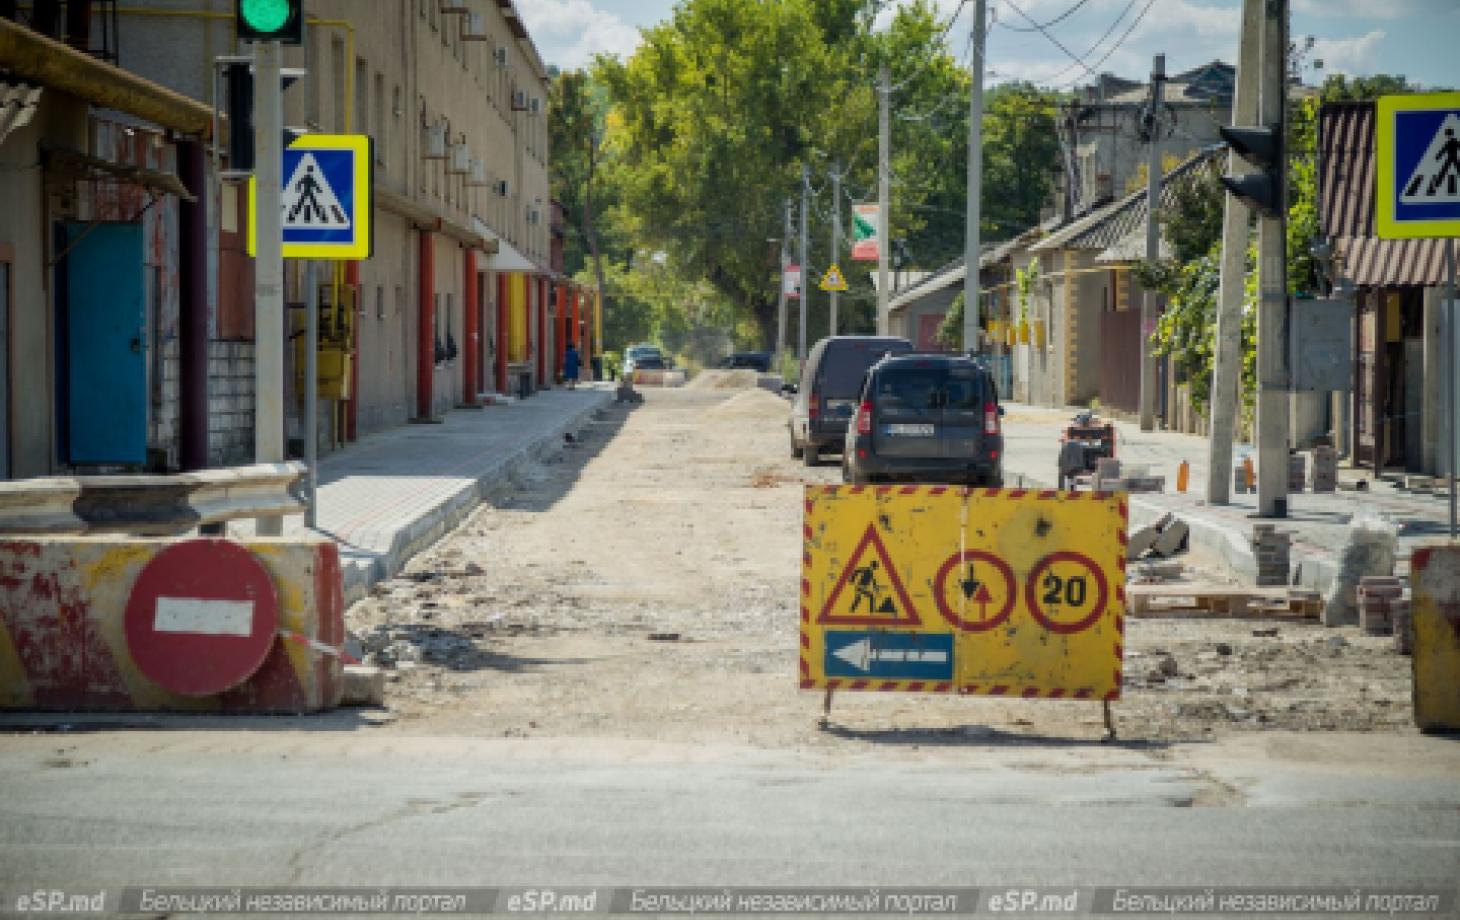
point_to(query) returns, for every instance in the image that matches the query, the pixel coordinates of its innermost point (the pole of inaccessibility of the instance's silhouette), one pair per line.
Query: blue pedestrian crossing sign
(889, 655)
(1417, 139)
(325, 202)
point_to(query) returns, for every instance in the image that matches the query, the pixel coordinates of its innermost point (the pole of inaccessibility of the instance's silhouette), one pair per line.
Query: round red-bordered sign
(1031, 592)
(201, 617)
(1011, 591)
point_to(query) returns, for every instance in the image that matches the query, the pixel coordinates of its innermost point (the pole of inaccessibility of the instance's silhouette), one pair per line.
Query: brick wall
(230, 402)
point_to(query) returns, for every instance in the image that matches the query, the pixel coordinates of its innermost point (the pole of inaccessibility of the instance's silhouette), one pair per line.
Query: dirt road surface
(641, 586)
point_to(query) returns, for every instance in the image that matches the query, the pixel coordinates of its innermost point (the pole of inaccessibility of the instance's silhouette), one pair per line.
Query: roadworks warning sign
(1000, 592)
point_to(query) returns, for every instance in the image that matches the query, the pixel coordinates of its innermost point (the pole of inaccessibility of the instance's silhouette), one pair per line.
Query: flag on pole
(864, 232)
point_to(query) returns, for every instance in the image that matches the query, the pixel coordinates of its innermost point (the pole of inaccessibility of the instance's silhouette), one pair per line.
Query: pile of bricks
(1297, 472)
(1109, 477)
(1403, 619)
(1323, 477)
(1240, 483)
(1272, 549)
(1379, 596)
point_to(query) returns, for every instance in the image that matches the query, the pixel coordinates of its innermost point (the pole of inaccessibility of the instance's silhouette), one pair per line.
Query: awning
(35, 58)
(506, 258)
(79, 165)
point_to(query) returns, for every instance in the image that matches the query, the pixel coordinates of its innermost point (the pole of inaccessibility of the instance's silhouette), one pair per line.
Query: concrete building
(454, 302)
(101, 176)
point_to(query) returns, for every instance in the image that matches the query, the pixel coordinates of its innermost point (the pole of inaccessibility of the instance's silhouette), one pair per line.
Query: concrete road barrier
(1435, 609)
(70, 609)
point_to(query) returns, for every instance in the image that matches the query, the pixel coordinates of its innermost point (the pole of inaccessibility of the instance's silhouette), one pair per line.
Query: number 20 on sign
(1000, 592)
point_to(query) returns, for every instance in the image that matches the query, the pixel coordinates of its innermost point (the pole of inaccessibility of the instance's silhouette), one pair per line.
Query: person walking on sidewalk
(570, 366)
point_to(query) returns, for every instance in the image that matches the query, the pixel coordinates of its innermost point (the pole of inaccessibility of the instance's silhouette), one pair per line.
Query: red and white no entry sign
(202, 617)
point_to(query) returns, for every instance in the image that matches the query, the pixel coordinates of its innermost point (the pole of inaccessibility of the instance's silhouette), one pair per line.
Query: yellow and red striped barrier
(90, 623)
(941, 589)
(1435, 602)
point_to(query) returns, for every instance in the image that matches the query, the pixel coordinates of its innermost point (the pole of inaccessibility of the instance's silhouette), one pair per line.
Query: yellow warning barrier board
(1435, 580)
(941, 589)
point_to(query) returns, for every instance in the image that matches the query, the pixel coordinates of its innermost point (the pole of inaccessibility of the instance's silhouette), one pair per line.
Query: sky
(1417, 38)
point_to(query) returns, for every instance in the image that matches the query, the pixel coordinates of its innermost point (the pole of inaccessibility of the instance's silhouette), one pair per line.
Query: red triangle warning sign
(869, 591)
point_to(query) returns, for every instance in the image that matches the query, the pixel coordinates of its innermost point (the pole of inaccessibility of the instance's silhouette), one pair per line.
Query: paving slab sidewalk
(1320, 522)
(393, 493)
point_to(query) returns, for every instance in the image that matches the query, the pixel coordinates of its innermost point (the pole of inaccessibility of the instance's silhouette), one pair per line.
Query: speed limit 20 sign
(1002, 592)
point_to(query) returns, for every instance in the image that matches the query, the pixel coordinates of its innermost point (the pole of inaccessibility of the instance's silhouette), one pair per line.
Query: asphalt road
(118, 809)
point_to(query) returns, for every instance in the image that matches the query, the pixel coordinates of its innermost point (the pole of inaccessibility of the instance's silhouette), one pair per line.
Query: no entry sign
(201, 617)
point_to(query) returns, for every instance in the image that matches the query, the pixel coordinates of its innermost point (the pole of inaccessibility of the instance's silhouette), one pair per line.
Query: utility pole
(975, 179)
(805, 268)
(781, 301)
(836, 234)
(1153, 240)
(1227, 373)
(884, 190)
(268, 268)
(1272, 364)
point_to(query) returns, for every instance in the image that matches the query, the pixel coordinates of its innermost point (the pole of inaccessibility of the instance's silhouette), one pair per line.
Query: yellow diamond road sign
(833, 280)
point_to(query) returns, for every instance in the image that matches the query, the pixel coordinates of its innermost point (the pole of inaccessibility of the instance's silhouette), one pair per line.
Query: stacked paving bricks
(1272, 548)
(1240, 484)
(1380, 598)
(1297, 473)
(1323, 477)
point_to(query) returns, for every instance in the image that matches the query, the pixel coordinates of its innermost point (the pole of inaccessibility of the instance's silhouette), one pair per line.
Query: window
(380, 122)
(380, 301)
(337, 75)
(362, 97)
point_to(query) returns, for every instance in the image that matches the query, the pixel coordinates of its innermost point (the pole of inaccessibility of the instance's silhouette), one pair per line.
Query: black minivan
(828, 392)
(926, 418)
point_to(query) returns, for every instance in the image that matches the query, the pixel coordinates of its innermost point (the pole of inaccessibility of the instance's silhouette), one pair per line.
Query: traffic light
(1263, 149)
(238, 86)
(270, 21)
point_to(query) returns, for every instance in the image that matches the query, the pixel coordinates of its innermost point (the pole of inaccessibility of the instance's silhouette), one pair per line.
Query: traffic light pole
(805, 269)
(836, 236)
(972, 215)
(1227, 353)
(1273, 403)
(1153, 242)
(268, 267)
(781, 300)
(884, 192)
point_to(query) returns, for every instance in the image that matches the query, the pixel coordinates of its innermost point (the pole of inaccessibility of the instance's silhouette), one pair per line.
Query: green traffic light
(264, 16)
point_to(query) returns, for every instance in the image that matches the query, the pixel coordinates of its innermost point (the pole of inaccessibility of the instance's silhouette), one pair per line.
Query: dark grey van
(827, 396)
(926, 418)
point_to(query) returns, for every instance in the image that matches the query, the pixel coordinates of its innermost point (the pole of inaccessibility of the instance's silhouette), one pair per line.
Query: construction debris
(1378, 596)
(1369, 550)
(1221, 600)
(1297, 472)
(1164, 538)
(1323, 476)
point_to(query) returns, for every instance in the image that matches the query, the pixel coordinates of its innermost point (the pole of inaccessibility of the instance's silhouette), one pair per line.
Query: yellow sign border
(1385, 224)
(825, 286)
(359, 248)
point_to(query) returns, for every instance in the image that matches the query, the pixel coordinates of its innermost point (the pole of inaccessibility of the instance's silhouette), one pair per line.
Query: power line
(1093, 48)
(942, 36)
(1040, 27)
(1137, 21)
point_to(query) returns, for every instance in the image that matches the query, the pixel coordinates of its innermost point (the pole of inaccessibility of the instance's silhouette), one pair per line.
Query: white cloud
(569, 33)
(1357, 56)
(1367, 9)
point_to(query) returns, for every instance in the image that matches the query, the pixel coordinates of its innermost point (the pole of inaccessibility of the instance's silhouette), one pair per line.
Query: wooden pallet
(1197, 600)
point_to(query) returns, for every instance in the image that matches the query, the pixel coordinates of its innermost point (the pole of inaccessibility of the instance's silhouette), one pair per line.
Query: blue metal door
(106, 344)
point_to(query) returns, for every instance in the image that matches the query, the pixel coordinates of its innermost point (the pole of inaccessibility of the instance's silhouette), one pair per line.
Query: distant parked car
(747, 360)
(926, 418)
(635, 354)
(827, 394)
(651, 363)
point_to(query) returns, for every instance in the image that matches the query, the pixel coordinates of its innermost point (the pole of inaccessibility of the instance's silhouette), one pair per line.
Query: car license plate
(840, 407)
(910, 431)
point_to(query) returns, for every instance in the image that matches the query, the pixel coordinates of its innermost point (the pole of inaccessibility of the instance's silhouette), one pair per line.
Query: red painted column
(469, 334)
(504, 334)
(481, 379)
(426, 329)
(352, 405)
(562, 331)
(542, 312)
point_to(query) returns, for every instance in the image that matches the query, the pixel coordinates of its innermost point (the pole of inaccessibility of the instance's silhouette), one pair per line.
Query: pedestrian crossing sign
(325, 202)
(833, 280)
(1417, 139)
